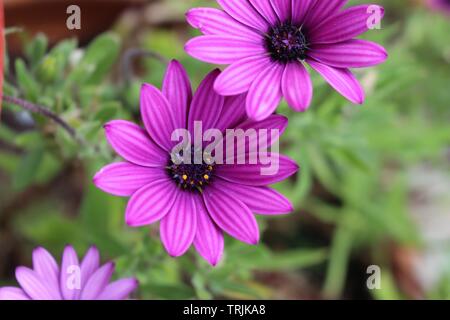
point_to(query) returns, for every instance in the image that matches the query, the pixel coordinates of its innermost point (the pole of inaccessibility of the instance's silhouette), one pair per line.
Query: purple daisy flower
(195, 203)
(73, 281)
(440, 5)
(268, 42)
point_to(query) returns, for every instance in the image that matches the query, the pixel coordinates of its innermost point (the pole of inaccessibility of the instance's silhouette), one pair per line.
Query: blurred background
(373, 189)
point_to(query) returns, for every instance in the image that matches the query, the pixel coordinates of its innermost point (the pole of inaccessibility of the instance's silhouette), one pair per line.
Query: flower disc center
(286, 42)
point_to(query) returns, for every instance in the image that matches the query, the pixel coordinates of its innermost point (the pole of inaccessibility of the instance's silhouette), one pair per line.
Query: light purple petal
(223, 49)
(133, 143)
(265, 93)
(231, 215)
(297, 86)
(47, 268)
(151, 203)
(321, 10)
(208, 241)
(342, 80)
(265, 9)
(238, 77)
(118, 290)
(349, 54)
(179, 226)
(12, 293)
(89, 264)
(300, 10)
(97, 282)
(177, 89)
(211, 21)
(244, 12)
(69, 265)
(34, 286)
(233, 112)
(260, 200)
(123, 179)
(283, 9)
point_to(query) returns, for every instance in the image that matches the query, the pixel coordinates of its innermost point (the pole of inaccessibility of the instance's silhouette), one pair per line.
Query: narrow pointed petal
(349, 54)
(151, 203)
(118, 290)
(321, 10)
(208, 241)
(133, 144)
(33, 285)
(238, 77)
(265, 93)
(283, 9)
(297, 86)
(219, 49)
(123, 179)
(11, 293)
(265, 9)
(211, 21)
(342, 80)
(89, 264)
(97, 282)
(233, 112)
(231, 215)
(47, 268)
(244, 12)
(68, 282)
(179, 226)
(300, 10)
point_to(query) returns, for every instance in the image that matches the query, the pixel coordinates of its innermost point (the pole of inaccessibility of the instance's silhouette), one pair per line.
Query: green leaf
(26, 171)
(26, 82)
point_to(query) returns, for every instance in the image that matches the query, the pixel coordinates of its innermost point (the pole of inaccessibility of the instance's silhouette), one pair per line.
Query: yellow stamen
(206, 177)
(184, 177)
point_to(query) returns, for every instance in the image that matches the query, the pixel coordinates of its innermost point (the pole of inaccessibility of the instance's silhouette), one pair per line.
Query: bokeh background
(373, 189)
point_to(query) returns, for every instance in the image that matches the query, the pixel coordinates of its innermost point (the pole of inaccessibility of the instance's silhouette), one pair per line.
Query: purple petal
(300, 10)
(179, 226)
(47, 268)
(177, 89)
(118, 290)
(238, 77)
(265, 93)
(297, 86)
(208, 241)
(244, 12)
(342, 80)
(223, 49)
(90, 264)
(123, 179)
(133, 143)
(261, 200)
(151, 203)
(231, 215)
(282, 9)
(321, 10)
(211, 21)
(233, 112)
(265, 9)
(11, 293)
(68, 274)
(349, 54)
(97, 282)
(35, 286)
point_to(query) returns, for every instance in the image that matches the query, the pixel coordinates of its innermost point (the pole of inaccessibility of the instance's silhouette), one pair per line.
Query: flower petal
(151, 203)
(132, 143)
(342, 80)
(12, 293)
(300, 10)
(238, 77)
(231, 215)
(97, 282)
(118, 290)
(89, 264)
(208, 241)
(33, 285)
(47, 268)
(349, 54)
(179, 226)
(233, 112)
(297, 86)
(321, 10)
(223, 49)
(123, 179)
(265, 9)
(68, 281)
(265, 93)
(244, 12)
(283, 9)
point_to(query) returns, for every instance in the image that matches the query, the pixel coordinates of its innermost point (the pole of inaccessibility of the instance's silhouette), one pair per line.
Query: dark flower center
(193, 176)
(286, 42)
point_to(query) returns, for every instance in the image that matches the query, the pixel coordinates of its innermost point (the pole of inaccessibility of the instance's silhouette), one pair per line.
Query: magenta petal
(133, 143)
(118, 290)
(265, 9)
(297, 86)
(244, 12)
(321, 10)
(260, 200)
(349, 54)
(151, 203)
(179, 226)
(231, 215)
(211, 21)
(283, 9)
(97, 282)
(35, 286)
(12, 293)
(265, 93)
(238, 77)
(69, 265)
(233, 112)
(177, 89)
(208, 241)
(47, 268)
(124, 179)
(221, 49)
(342, 80)
(90, 264)
(300, 10)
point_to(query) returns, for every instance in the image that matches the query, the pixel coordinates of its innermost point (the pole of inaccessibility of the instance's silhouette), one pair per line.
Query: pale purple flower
(439, 5)
(73, 280)
(195, 203)
(267, 44)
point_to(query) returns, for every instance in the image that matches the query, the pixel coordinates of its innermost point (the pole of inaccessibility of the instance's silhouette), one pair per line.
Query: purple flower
(439, 5)
(195, 202)
(72, 281)
(268, 42)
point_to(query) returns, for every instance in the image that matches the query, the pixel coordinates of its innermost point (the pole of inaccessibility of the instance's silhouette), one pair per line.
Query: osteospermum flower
(195, 203)
(267, 44)
(73, 280)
